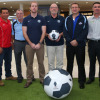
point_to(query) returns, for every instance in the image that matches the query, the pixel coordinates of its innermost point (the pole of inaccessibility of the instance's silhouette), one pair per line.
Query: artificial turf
(16, 91)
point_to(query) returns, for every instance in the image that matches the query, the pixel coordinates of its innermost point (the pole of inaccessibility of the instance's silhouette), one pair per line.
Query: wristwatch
(40, 42)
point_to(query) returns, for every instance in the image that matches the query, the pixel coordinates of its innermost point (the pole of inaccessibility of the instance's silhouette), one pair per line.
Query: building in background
(64, 6)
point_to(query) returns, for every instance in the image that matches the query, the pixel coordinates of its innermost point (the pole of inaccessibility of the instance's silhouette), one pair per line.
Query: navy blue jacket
(80, 32)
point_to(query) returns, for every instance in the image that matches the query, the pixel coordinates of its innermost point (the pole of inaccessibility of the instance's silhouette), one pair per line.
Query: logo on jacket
(80, 23)
(58, 21)
(3, 24)
(29, 21)
(39, 21)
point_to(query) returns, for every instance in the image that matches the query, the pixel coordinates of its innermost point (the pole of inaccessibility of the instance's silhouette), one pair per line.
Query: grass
(16, 91)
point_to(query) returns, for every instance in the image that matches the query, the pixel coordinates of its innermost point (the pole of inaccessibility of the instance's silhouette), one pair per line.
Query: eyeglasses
(53, 7)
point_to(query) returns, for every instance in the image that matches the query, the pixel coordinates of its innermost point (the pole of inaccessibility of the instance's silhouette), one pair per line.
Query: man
(5, 45)
(19, 42)
(34, 29)
(54, 47)
(76, 29)
(94, 41)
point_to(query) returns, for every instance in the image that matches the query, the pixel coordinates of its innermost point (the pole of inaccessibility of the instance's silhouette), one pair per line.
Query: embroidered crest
(58, 21)
(28, 21)
(39, 21)
(3, 24)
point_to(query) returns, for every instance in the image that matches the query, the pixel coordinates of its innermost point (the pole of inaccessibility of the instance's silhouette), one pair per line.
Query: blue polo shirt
(74, 24)
(34, 27)
(17, 31)
(54, 24)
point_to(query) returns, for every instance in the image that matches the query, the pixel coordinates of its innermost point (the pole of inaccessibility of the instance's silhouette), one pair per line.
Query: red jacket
(5, 33)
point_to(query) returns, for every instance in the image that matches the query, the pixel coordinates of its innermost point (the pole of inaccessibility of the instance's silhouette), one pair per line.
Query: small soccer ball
(54, 35)
(58, 83)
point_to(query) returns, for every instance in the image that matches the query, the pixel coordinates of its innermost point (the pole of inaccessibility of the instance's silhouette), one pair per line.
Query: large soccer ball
(58, 84)
(54, 35)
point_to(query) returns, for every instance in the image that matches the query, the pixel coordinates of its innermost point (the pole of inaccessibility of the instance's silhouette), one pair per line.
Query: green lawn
(16, 91)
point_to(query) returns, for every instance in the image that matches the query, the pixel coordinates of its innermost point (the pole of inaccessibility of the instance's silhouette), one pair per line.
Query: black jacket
(80, 33)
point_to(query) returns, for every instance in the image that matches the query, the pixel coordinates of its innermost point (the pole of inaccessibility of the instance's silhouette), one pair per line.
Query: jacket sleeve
(65, 32)
(83, 35)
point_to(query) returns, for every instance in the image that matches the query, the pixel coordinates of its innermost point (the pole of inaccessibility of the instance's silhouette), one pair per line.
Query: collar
(71, 16)
(18, 22)
(77, 16)
(33, 17)
(93, 17)
(56, 17)
(3, 20)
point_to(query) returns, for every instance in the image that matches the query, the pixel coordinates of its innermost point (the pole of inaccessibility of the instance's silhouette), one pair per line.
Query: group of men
(28, 36)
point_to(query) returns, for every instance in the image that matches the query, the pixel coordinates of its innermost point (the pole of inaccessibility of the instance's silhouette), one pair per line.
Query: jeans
(7, 57)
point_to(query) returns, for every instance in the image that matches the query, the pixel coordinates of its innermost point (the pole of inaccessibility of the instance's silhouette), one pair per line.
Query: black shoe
(89, 81)
(20, 80)
(33, 79)
(27, 84)
(82, 86)
(41, 82)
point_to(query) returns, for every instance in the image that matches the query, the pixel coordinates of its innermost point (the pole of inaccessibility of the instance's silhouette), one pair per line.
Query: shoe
(82, 86)
(41, 82)
(89, 81)
(11, 78)
(20, 80)
(1, 83)
(33, 79)
(27, 84)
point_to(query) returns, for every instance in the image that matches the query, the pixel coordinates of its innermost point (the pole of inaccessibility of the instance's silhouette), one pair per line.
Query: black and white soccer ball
(58, 84)
(54, 35)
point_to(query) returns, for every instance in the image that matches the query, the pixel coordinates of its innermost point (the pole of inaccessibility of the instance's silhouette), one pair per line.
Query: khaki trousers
(30, 58)
(52, 52)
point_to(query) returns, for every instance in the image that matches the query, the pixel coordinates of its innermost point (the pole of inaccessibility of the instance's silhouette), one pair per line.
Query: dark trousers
(7, 57)
(80, 57)
(19, 48)
(94, 51)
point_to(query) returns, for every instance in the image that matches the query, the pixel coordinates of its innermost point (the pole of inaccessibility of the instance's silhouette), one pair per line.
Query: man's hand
(38, 46)
(1, 50)
(32, 45)
(58, 38)
(50, 38)
(12, 46)
(74, 43)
